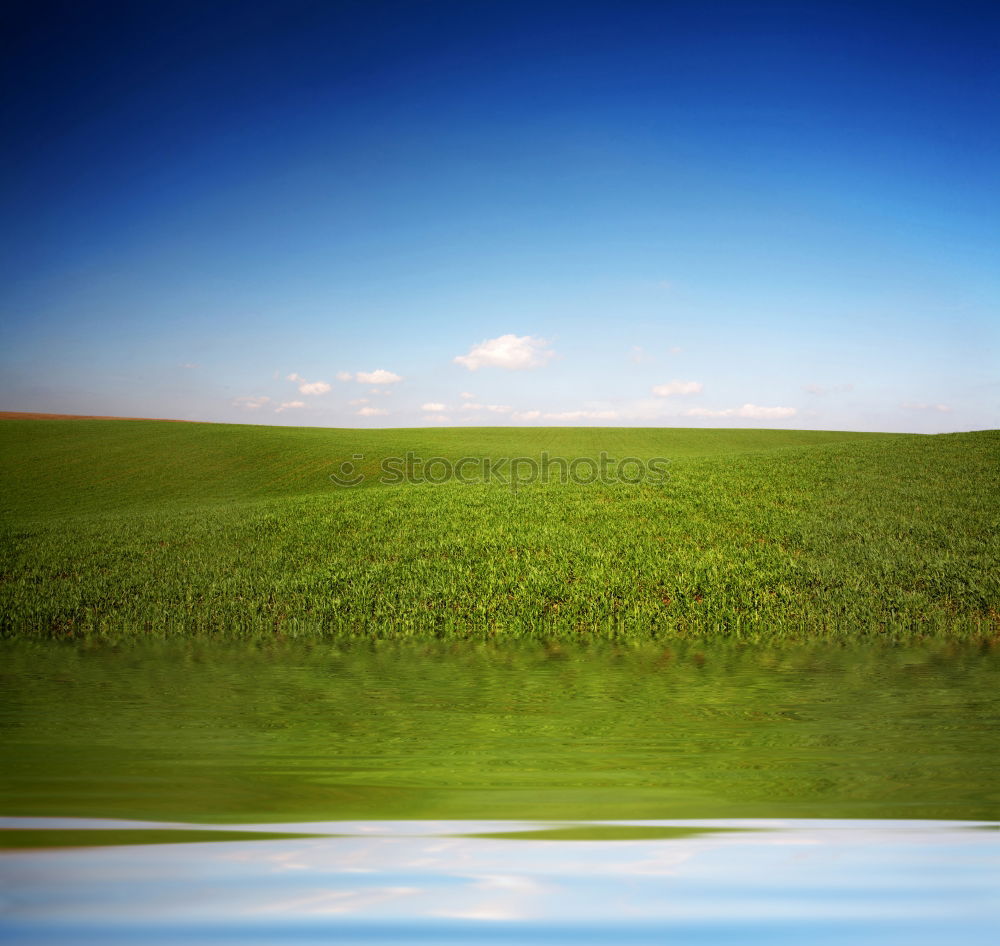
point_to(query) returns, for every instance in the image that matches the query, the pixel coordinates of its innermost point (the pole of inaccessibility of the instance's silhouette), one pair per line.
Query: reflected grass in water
(31, 839)
(290, 732)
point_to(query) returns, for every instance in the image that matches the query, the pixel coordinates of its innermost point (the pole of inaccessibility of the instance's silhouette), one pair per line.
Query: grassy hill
(146, 527)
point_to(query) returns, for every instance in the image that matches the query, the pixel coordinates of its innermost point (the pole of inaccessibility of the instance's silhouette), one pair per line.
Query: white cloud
(466, 396)
(495, 408)
(940, 408)
(440, 419)
(513, 352)
(747, 410)
(432, 407)
(354, 402)
(638, 355)
(373, 411)
(309, 387)
(674, 350)
(526, 415)
(379, 376)
(289, 405)
(582, 415)
(677, 387)
(251, 403)
(344, 376)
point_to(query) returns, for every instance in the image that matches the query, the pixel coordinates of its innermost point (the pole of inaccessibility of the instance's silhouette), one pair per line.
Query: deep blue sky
(684, 214)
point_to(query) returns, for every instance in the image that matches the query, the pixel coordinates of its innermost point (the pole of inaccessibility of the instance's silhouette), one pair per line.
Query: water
(480, 794)
(795, 882)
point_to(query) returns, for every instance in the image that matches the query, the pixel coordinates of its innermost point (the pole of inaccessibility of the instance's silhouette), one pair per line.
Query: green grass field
(148, 528)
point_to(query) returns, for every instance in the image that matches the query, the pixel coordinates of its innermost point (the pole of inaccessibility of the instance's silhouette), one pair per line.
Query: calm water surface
(519, 793)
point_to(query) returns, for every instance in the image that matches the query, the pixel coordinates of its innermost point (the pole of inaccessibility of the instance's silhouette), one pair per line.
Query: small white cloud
(638, 355)
(747, 410)
(440, 419)
(940, 408)
(512, 352)
(309, 387)
(251, 403)
(677, 387)
(432, 406)
(344, 376)
(582, 415)
(526, 415)
(355, 402)
(289, 406)
(379, 376)
(466, 396)
(372, 411)
(674, 350)
(495, 408)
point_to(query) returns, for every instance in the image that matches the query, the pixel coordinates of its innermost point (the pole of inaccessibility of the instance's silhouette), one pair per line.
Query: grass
(197, 731)
(143, 528)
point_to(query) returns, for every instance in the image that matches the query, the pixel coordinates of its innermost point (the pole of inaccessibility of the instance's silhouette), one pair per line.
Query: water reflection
(736, 881)
(300, 732)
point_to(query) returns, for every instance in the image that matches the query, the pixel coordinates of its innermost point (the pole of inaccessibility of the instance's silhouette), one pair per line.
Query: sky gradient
(388, 214)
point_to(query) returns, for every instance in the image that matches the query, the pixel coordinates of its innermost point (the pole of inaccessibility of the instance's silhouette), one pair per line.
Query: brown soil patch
(31, 415)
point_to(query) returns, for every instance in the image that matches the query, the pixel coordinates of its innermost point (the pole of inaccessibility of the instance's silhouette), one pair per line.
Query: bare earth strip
(31, 415)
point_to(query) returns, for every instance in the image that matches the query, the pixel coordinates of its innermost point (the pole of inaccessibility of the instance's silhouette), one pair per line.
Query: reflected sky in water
(793, 881)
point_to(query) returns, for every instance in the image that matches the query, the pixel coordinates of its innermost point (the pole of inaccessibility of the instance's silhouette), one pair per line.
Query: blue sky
(406, 213)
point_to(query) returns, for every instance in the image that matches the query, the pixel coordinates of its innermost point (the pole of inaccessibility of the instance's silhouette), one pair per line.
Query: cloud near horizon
(379, 376)
(747, 410)
(372, 412)
(251, 403)
(677, 387)
(940, 408)
(511, 352)
(582, 415)
(289, 405)
(494, 408)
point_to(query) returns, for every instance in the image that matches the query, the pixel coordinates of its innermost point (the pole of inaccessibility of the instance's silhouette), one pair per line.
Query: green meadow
(128, 528)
